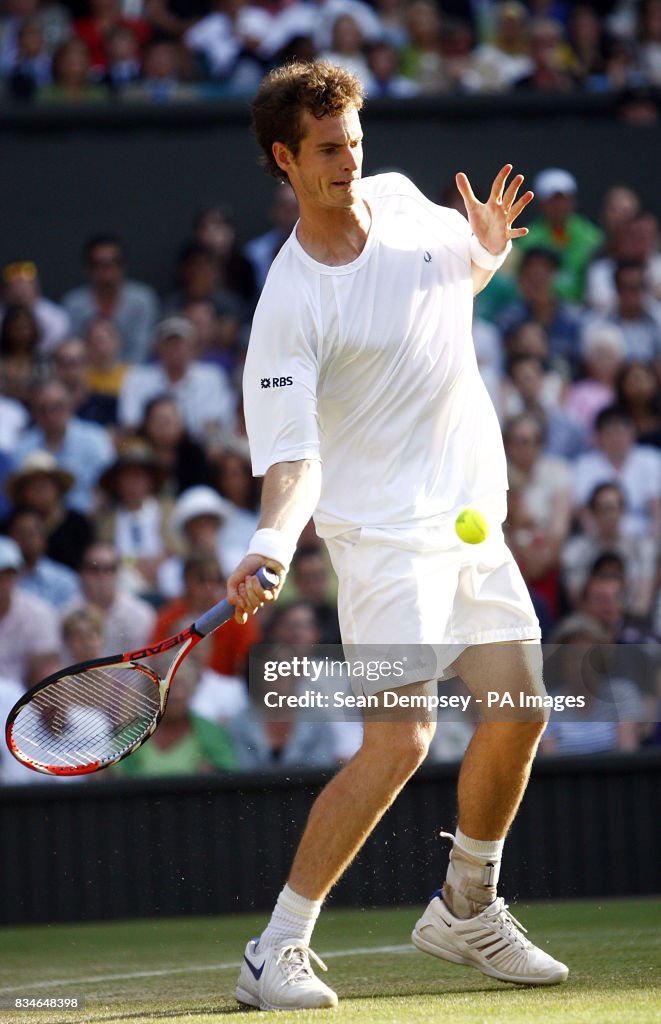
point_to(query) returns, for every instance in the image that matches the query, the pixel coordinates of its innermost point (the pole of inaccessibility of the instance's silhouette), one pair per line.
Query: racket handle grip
(223, 611)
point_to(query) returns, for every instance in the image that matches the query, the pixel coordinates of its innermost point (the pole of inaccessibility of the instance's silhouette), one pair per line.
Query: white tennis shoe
(493, 942)
(281, 978)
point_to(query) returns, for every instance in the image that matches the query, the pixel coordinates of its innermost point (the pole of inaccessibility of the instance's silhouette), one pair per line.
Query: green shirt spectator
(574, 238)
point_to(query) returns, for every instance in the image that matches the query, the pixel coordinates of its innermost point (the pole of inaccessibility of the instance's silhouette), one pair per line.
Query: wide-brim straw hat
(38, 463)
(134, 453)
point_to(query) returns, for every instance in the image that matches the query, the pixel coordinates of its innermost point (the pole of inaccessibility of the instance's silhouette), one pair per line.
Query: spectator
(392, 21)
(183, 459)
(41, 483)
(266, 739)
(639, 394)
(539, 523)
(203, 394)
(312, 579)
(13, 419)
(586, 37)
(618, 459)
(532, 391)
(135, 521)
(226, 651)
(96, 31)
(384, 79)
(539, 303)
(347, 47)
(32, 65)
(229, 41)
(161, 80)
(82, 635)
(636, 313)
(637, 239)
(128, 620)
(184, 743)
(603, 534)
(506, 58)
(602, 352)
(196, 276)
(214, 228)
(422, 59)
(20, 286)
(220, 337)
(105, 371)
(261, 251)
(548, 53)
(649, 40)
(53, 19)
(53, 583)
(201, 523)
(83, 448)
(572, 237)
(232, 477)
(69, 366)
(28, 627)
(604, 599)
(21, 367)
(612, 710)
(131, 306)
(123, 65)
(71, 76)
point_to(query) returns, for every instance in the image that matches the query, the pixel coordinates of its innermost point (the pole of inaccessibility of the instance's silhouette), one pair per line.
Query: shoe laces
(295, 962)
(501, 914)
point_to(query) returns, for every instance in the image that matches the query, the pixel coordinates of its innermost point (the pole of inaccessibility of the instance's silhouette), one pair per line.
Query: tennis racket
(94, 714)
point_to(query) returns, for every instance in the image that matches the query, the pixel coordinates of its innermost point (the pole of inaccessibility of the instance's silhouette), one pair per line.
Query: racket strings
(92, 716)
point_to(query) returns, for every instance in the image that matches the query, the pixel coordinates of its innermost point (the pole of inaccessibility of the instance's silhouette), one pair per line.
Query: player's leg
(276, 971)
(467, 923)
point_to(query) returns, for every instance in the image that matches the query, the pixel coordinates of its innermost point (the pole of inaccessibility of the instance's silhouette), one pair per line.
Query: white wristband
(485, 259)
(273, 544)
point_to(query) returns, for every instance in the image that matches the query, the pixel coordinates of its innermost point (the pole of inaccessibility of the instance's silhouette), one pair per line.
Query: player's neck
(334, 237)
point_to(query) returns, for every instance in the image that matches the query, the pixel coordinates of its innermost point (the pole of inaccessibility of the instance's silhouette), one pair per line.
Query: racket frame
(186, 639)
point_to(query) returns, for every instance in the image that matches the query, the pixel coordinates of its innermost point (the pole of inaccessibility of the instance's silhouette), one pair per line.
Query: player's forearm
(289, 496)
(481, 278)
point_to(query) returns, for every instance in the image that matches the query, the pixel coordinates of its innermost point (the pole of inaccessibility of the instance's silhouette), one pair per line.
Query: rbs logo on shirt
(276, 382)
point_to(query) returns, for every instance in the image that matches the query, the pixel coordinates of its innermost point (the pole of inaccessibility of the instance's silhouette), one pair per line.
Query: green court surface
(184, 970)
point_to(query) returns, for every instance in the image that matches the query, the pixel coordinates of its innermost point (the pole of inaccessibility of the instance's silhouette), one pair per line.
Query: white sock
(490, 851)
(293, 920)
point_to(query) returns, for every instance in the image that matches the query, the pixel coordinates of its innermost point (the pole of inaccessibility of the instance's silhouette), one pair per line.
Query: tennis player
(364, 405)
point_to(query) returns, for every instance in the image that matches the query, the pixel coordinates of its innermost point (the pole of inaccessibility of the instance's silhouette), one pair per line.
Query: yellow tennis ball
(471, 526)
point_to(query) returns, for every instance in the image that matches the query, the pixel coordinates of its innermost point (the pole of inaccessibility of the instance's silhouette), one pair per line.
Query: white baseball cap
(554, 181)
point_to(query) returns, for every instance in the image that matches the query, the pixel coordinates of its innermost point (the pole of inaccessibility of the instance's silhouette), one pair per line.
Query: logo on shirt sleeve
(276, 382)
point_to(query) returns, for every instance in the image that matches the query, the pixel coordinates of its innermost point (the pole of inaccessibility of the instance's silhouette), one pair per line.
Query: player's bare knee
(403, 745)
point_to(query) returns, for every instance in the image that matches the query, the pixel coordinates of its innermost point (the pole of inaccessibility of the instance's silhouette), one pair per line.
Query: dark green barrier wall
(97, 850)
(144, 172)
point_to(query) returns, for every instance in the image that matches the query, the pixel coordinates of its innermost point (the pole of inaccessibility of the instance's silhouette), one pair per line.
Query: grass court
(184, 970)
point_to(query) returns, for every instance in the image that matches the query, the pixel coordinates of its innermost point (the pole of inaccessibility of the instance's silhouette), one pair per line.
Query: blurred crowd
(126, 492)
(164, 51)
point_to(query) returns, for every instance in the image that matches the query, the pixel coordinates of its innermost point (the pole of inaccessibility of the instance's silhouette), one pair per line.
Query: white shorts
(425, 588)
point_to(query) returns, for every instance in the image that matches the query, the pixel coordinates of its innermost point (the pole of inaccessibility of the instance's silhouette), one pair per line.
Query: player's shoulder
(395, 185)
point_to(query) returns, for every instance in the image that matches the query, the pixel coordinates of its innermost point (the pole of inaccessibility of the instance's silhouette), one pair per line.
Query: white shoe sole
(447, 954)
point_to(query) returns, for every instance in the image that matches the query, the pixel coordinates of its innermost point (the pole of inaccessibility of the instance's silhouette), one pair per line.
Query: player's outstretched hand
(491, 222)
(244, 590)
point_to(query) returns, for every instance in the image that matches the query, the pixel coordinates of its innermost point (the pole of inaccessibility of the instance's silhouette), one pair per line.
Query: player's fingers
(499, 183)
(465, 190)
(520, 205)
(517, 232)
(510, 192)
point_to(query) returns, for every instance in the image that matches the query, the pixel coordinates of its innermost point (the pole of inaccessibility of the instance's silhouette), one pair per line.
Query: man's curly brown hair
(321, 88)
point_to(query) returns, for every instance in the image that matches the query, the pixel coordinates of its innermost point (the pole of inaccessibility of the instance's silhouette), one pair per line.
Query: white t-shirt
(370, 367)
